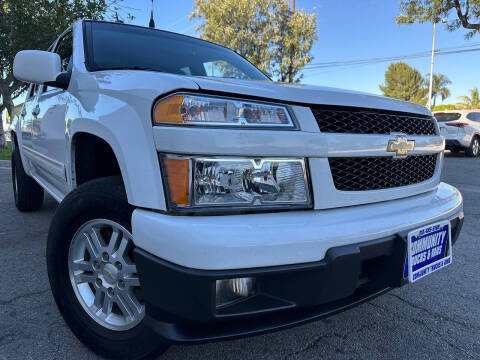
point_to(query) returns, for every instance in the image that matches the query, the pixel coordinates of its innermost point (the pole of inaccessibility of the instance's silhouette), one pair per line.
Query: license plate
(429, 250)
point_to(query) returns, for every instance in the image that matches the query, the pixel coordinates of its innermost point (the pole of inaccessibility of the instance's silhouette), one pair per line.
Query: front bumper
(180, 301)
(307, 265)
(282, 238)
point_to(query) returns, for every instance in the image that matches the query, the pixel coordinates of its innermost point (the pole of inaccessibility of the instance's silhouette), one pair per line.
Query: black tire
(103, 198)
(27, 193)
(474, 149)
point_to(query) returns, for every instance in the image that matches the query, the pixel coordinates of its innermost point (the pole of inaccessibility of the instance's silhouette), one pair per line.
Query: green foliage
(405, 83)
(472, 101)
(445, 107)
(466, 13)
(440, 83)
(6, 153)
(275, 39)
(35, 24)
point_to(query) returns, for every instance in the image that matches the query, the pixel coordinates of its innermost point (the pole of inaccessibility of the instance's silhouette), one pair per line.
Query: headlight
(217, 111)
(199, 182)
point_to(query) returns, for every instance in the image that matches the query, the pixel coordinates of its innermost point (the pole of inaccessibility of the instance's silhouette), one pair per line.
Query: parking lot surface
(437, 317)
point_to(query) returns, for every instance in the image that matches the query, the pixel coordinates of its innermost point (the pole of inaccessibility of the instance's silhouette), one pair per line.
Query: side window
(474, 116)
(65, 50)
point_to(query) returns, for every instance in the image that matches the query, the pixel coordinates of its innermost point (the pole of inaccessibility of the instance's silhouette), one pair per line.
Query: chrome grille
(369, 121)
(375, 173)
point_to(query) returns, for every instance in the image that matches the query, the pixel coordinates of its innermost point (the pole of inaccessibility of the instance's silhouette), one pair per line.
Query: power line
(446, 51)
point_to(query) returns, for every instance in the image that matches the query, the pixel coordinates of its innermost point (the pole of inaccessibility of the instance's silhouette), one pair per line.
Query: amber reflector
(178, 174)
(168, 110)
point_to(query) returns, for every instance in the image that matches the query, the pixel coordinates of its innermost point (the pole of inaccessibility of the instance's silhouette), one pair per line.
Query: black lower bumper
(454, 145)
(180, 302)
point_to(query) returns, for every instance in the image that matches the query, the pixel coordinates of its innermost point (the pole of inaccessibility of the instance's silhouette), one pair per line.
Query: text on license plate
(429, 249)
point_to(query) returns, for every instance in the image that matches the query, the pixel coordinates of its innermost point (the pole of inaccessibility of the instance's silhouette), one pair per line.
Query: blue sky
(350, 30)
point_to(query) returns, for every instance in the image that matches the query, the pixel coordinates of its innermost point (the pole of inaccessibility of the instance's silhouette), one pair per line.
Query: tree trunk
(8, 105)
(3, 142)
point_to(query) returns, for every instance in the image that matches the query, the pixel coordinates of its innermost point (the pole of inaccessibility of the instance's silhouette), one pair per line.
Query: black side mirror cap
(62, 81)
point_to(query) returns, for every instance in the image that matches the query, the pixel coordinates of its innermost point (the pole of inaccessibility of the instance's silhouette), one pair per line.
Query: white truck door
(48, 127)
(26, 116)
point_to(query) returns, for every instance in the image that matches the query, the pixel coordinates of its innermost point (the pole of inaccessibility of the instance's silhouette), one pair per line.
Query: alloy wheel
(475, 147)
(104, 276)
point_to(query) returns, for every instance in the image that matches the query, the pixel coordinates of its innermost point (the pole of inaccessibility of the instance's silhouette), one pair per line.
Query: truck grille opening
(375, 173)
(358, 121)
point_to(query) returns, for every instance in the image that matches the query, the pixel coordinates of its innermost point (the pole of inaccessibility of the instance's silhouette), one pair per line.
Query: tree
(472, 101)
(440, 83)
(466, 12)
(405, 83)
(445, 107)
(35, 24)
(266, 32)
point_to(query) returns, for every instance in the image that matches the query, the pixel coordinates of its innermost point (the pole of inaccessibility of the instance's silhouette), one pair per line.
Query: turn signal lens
(169, 110)
(217, 111)
(178, 176)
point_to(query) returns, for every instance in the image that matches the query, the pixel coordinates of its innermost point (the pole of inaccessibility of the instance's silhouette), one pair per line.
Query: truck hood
(306, 94)
(134, 86)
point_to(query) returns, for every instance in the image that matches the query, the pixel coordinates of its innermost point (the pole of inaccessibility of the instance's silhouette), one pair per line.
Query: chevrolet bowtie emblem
(401, 145)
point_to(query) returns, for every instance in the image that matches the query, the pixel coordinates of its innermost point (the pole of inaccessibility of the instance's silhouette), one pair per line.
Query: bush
(6, 154)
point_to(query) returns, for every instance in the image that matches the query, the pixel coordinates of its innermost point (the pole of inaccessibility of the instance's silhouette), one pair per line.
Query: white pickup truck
(200, 201)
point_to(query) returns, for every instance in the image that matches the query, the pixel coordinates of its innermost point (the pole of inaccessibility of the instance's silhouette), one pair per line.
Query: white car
(200, 201)
(461, 129)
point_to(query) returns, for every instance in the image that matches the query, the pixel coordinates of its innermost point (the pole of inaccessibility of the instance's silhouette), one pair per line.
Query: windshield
(119, 46)
(443, 117)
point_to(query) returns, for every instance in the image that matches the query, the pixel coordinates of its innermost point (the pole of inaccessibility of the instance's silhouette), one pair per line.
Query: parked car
(461, 129)
(200, 201)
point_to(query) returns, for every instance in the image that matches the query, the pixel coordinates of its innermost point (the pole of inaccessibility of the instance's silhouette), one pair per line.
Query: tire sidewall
(14, 175)
(477, 139)
(78, 208)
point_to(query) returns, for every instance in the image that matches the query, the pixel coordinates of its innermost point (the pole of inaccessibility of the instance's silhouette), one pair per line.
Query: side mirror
(39, 67)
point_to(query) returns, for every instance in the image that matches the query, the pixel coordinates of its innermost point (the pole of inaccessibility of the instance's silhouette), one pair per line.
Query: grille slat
(367, 121)
(375, 173)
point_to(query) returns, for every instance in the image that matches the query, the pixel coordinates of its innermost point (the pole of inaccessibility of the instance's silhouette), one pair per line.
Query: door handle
(24, 112)
(36, 110)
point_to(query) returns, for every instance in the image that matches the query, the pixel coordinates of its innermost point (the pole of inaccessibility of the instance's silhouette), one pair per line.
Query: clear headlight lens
(217, 111)
(236, 182)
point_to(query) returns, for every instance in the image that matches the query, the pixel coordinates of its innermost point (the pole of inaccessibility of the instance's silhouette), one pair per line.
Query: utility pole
(293, 5)
(151, 24)
(430, 85)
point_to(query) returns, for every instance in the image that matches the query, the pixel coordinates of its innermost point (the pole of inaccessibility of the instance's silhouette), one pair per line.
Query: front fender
(135, 153)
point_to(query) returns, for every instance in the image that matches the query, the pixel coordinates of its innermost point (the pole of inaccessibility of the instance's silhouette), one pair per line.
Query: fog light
(230, 290)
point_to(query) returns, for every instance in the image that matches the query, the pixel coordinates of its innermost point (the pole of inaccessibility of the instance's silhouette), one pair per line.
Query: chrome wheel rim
(475, 147)
(104, 276)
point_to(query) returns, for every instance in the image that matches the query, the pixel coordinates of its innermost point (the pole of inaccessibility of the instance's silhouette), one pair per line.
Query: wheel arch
(137, 164)
(85, 158)
(92, 157)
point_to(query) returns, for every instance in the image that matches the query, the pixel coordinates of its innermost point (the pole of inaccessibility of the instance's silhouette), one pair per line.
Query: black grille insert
(375, 173)
(357, 121)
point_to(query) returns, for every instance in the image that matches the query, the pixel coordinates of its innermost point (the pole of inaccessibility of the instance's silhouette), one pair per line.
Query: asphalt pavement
(437, 317)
